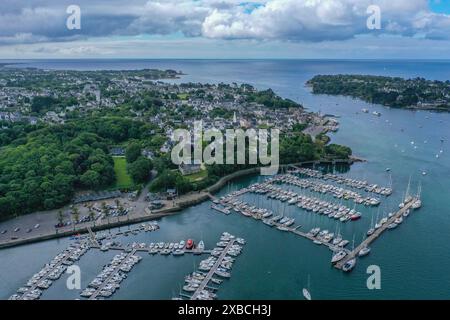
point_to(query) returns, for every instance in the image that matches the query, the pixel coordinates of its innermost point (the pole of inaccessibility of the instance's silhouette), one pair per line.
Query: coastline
(183, 202)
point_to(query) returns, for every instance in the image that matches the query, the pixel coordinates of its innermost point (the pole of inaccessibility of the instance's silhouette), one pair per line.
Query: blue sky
(440, 6)
(225, 29)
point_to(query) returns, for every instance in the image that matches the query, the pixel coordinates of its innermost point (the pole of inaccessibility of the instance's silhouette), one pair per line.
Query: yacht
(398, 220)
(405, 214)
(201, 246)
(417, 204)
(370, 231)
(355, 216)
(392, 226)
(306, 294)
(338, 256)
(343, 243)
(283, 228)
(337, 240)
(178, 252)
(349, 265)
(364, 252)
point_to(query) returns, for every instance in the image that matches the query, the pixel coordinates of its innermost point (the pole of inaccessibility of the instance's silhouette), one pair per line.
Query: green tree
(140, 169)
(133, 152)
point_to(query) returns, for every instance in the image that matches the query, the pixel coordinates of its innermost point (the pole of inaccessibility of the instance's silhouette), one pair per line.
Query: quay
(376, 234)
(211, 272)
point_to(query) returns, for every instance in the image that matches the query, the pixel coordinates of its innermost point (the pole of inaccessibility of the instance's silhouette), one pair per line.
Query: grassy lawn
(183, 96)
(197, 176)
(123, 180)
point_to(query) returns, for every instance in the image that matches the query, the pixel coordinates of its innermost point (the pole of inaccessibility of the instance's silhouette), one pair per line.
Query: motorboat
(338, 256)
(349, 265)
(364, 252)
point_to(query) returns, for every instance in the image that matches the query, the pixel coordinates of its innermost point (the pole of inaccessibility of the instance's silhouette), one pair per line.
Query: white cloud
(292, 20)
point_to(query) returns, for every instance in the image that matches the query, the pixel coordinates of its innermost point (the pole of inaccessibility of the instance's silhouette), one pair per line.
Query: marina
(219, 264)
(51, 272)
(335, 191)
(343, 258)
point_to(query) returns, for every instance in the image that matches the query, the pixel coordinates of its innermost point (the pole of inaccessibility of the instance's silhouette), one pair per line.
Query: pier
(211, 272)
(107, 280)
(312, 238)
(92, 238)
(376, 234)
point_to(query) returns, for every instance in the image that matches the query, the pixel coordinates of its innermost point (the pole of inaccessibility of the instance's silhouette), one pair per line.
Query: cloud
(291, 20)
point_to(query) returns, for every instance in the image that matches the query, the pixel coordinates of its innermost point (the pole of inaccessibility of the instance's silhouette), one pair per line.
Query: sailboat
(350, 264)
(305, 291)
(418, 203)
(371, 230)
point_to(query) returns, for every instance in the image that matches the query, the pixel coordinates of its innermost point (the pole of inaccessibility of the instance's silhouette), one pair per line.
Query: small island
(417, 93)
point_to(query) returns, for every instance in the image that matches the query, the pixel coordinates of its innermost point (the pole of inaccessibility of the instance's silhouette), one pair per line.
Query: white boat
(349, 265)
(398, 220)
(392, 226)
(370, 231)
(305, 291)
(364, 252)
(338, 256)
(201, 246)
(306, 294)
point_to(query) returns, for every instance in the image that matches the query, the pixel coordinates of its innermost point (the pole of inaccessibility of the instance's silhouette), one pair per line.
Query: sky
(225, 29)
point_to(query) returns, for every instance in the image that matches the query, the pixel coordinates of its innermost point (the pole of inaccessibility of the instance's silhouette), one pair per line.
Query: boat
(283, 228)
(189, 244)
(364, 252)
(398, 220)
(306, 293)
(222, 274)
(355, 216)
(268, 222)
(370, 231)
(349, 265)
(338, 256)
(178, 252)
(392, 226)
(201, 246)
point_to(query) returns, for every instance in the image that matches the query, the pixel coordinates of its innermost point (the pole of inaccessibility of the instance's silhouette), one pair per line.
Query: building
(187, 169)
(117, 151)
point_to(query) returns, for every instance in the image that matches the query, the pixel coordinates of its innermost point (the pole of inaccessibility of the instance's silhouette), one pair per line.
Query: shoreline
(185, 201)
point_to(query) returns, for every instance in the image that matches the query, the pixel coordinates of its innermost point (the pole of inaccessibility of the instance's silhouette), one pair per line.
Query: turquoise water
(413, 258)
